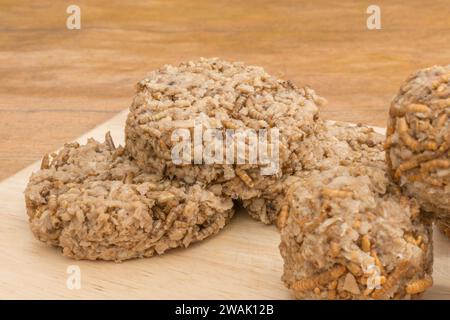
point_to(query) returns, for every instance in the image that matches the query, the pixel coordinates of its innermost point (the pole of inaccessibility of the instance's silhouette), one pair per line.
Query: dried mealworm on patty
(418, 139)
(93, 202)
(350, 234)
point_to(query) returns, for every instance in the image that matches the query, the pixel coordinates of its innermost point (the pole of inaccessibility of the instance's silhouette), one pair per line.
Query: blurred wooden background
(58, 83)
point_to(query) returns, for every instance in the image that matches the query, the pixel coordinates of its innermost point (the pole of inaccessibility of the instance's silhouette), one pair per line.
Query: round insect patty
(335, 144)
(418, 139)
(95, 203)
(232, 101)
(348, 233)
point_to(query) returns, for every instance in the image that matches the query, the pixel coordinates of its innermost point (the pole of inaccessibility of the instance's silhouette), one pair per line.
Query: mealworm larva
(441, 88)
(417, 108)
(435, 164)
(151, 131)
(433, 181)
(391, 127)
(128, 178)
(228, 124)
(163, 146)
(335, 249)
(249, 103)
(378, 263)
(354, 269)
(205, 232)
(109, 141)
(365, 243)
(156, 187)
(256, 114)
(402, 125)
(414, 178)
(410, 141)
(170, 219)
(282, 216)
(275, 188)
(165, 196)
(416, 241)
(402, 128)
(316, 222)
(253, 111)
(296, 137)
(441, 120)
(395, 111)
(45, 163)
(429, 145)
(336, 193)
(405, 166)
(418, 286)
(52, 203)
(392, 280)
(318, 280)
(244, 177)
(157, 116)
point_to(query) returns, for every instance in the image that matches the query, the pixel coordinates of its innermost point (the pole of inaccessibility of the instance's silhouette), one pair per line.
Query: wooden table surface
(57, 83)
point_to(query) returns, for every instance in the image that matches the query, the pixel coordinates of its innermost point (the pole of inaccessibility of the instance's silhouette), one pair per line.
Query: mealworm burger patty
(336, 143)
(418, 139)
(348, 233)
(93, 202)
(210, 103)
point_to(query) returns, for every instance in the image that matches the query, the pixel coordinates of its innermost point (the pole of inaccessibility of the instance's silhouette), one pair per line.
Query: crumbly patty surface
(95, 203)
(418, 139)
(224, 96)
(347, 233)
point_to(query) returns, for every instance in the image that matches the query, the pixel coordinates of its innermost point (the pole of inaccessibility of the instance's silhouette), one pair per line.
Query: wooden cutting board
(241, 262)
